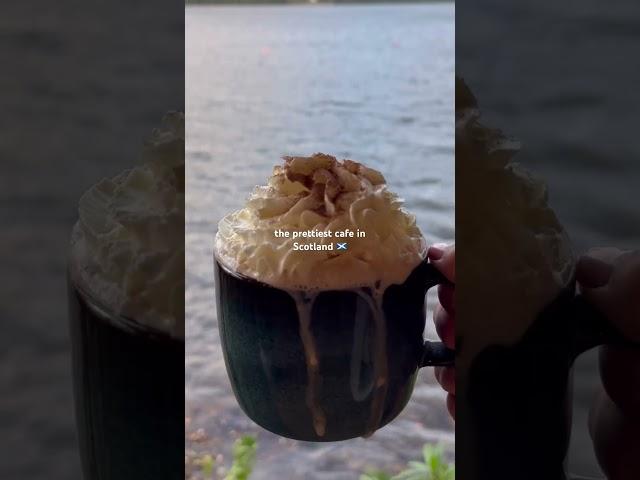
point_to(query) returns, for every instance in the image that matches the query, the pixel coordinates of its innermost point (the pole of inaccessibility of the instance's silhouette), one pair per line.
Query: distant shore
(304, 2)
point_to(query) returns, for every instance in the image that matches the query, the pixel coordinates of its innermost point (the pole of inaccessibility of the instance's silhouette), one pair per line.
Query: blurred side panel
(559, 177)
(81, 85)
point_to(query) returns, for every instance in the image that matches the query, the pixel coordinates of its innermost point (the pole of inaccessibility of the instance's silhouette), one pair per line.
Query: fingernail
(592, 272)
(436, 251)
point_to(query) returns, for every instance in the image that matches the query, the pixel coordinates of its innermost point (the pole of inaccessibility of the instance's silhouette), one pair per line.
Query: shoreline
(276, 3)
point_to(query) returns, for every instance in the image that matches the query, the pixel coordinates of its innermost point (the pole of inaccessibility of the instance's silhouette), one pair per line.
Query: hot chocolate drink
(320, 196)
(332, 335)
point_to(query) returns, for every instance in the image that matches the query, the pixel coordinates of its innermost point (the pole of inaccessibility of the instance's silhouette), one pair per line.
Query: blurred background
(370, 82)
(557, 77)
(82, 85)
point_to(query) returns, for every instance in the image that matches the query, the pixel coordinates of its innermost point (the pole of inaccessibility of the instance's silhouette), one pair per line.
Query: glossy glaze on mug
(129, 395)
(320, 366)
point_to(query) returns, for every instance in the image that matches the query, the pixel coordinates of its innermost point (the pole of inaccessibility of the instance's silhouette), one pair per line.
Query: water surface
(372, 83)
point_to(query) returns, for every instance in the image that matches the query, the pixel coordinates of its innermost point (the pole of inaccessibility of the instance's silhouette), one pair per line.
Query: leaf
(375, 475)
(244, 455)
(434, 467)
(206, 464)
(418, 466)
(413, 474)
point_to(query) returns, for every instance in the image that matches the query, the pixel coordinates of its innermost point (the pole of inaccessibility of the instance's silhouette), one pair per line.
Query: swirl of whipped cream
(512, 248)
(128, 245)
(321, 194)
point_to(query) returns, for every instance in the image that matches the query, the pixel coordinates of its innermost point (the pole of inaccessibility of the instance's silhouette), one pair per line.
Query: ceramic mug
(129, 393)
(328, 365)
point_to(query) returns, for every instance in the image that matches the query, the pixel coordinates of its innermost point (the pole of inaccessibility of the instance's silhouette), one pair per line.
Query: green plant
(375, 475)
(244, 456)
(206, 463)
(434, 467)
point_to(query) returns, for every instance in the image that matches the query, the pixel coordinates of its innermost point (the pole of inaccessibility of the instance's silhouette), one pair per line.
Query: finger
(615, 440)
(443, 258)
(445, 326)
(446, 296)
(592, 266)
(594, 269)
(620, 371)
(451, 405)
(610, 280)
(446, 377)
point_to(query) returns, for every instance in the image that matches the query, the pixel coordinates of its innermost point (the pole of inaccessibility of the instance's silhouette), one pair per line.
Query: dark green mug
(329, 365)
(128, 380)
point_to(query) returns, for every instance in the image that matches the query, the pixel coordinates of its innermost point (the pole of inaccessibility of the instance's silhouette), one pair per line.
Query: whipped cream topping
(321, 193)
(128, 245)
(515, 255)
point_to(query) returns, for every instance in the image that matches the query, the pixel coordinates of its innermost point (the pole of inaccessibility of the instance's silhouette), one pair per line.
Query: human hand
(444, 259)
(610, 280)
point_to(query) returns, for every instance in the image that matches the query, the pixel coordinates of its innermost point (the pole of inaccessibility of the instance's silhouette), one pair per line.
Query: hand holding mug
(444, 259)
(610, 281)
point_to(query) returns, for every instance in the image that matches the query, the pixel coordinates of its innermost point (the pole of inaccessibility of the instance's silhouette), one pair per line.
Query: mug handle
(589, 328)
(434, 354)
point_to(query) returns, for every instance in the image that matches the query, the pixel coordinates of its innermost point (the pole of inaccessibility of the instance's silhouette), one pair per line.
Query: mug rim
(241, 276)
(109, 314)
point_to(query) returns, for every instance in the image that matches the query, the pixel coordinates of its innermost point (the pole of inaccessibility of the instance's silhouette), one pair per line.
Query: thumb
(609, 279)
(443, 258)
